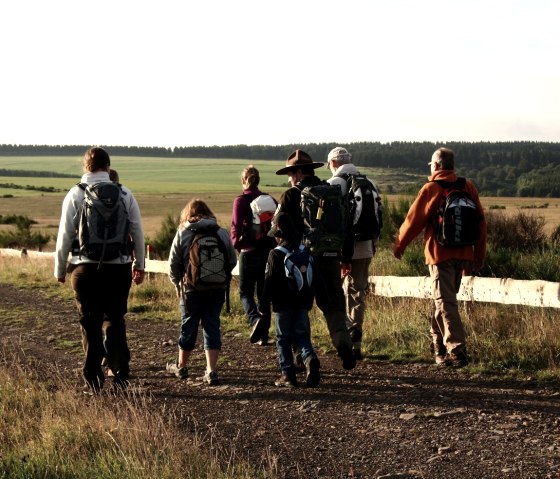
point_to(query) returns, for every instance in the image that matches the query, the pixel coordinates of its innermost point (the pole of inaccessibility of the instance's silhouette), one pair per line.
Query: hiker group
(315, 244)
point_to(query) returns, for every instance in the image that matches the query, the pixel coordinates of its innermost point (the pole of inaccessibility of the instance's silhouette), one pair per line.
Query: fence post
(149, 255)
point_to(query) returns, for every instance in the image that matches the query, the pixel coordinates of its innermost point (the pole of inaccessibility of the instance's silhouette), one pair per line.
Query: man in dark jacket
(329, 294)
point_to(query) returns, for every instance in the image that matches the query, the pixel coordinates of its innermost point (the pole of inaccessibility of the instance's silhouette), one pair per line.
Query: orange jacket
(420, 216)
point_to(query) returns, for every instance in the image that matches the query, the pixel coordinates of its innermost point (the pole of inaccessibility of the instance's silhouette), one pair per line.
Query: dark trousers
(251, 280)
(102, 295)
(330, 299)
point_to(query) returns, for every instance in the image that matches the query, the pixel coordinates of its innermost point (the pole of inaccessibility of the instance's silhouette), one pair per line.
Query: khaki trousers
(447, 328)
(356, 287)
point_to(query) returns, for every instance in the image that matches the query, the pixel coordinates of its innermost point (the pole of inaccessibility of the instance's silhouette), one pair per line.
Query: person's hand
(62, 279)
(137, 276)
(345, 269)
(398, 252)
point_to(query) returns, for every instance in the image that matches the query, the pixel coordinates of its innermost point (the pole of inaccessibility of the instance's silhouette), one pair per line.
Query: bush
(22, 237)
(521, 232)
(393, 217)
(164, 237)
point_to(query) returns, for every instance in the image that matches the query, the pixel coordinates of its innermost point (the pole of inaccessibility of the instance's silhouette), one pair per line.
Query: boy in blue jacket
(291, 298)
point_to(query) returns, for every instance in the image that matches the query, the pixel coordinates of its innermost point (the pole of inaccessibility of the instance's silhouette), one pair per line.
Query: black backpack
(364, 206)
(324, 216)
(457, 220)
(208, 261)
(103, 226)
(298, 266)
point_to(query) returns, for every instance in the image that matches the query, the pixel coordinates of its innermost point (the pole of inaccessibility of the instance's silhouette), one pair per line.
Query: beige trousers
(356, 287)
(447, 328)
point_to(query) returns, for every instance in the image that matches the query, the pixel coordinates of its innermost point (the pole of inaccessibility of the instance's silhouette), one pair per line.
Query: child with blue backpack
(288, 285)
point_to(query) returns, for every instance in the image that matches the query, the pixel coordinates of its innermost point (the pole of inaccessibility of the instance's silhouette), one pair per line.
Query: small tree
(164, 237)
(22, 237)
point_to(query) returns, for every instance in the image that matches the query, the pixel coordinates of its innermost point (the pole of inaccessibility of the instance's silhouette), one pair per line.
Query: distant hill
(519, 168)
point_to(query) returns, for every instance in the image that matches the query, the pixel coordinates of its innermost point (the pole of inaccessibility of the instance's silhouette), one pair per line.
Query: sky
(221, 72)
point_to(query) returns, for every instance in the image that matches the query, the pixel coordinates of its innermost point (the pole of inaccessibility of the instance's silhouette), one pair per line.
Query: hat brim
(286, 169)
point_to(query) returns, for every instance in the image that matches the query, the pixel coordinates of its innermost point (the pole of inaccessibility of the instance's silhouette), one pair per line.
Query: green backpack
(324, 217)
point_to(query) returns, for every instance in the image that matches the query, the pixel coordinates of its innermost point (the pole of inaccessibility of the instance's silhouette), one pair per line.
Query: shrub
(164, 237)
(393, 217)
(22, 237)
(521, 232)
(555, 238)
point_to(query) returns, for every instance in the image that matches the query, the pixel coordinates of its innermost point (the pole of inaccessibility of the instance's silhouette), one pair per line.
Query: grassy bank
(49, 430)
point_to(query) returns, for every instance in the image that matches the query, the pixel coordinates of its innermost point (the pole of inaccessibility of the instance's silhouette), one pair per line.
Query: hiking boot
(211, 377)
(264, 341)
(286, 380)
(173, 368)
(441, 360)
(258, 331)
(120, 383)
(357, 353)
(347, 356)
(313, 375)
(355, 335)
(458, 360)
(298, 362)
(440, 354)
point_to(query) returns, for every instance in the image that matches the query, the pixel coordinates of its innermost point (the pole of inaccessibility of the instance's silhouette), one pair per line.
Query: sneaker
(173, 368)
(264, 341)
(257, 333)
(286, 380)
(347, 356)
(357, 353)
(211, 377)
(313, 376)
(458, 360)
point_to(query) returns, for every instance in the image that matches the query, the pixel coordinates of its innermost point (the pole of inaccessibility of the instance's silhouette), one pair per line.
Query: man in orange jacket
(446, 264)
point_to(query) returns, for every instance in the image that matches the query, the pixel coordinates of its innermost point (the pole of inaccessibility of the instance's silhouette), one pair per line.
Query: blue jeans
(292, 328)
(202, 307)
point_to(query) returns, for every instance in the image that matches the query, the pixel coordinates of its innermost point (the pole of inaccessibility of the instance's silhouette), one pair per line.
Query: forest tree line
(520, 168)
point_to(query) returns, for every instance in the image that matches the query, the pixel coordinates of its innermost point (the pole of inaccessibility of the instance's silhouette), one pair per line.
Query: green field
(165, 185)
(161, 185)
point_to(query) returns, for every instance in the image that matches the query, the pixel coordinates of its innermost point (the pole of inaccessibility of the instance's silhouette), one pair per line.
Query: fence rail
(492, 290)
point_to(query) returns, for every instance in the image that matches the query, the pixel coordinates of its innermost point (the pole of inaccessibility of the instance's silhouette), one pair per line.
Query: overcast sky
(183, 73)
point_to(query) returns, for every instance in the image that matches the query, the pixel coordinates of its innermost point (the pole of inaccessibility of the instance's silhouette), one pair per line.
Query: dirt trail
(381, 420)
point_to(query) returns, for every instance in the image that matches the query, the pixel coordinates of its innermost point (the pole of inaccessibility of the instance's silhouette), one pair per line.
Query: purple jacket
(242, 219)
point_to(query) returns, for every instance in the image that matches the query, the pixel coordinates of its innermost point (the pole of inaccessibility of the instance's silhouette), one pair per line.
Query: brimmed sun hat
(298, 159)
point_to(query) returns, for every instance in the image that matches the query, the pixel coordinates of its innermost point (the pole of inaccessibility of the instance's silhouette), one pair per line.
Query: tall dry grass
(50, 430)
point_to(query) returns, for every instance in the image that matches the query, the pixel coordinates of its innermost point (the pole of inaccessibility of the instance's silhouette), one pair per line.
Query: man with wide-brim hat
(299, 159)
(329, 293)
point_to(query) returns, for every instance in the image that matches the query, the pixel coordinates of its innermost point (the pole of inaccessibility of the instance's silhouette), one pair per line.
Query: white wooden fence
(492, 290)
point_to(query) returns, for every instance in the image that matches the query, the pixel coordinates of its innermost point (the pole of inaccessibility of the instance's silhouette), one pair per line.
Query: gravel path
(382, 420)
